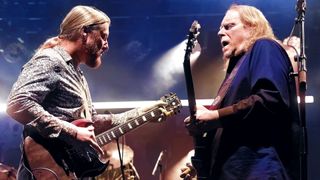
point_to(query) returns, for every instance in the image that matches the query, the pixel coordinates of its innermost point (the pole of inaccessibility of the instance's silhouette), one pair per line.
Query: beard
(93, 54)
(93, 61)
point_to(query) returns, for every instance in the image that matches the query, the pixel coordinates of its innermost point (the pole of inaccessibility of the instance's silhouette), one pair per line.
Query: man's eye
(228, 26)
(104, 37)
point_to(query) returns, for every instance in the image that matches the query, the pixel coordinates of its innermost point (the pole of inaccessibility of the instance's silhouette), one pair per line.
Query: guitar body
(201, 160)
(42, 164)
(53, 159)
(73, 159)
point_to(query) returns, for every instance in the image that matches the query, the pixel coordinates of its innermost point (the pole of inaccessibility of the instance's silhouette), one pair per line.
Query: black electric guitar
(73, 159)
(202, 140)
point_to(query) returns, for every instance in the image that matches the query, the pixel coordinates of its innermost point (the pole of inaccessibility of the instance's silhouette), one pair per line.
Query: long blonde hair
(78, 17)
(253, 18)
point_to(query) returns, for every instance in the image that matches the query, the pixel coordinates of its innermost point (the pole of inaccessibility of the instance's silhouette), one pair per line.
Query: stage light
(184, 102)
(134, 104)
(3, 107)
(308, 99)
(170, 65)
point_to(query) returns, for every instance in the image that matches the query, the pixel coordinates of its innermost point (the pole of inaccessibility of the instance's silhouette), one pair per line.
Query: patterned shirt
(50, 92)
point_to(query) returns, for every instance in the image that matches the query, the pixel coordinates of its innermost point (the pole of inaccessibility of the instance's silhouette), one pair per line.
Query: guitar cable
(121, 158)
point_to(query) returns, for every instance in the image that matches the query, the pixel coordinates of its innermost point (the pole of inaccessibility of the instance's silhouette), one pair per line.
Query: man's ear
(84, 37)
(86, 29)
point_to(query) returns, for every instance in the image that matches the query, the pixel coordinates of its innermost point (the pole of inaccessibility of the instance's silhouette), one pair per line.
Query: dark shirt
(260, 110)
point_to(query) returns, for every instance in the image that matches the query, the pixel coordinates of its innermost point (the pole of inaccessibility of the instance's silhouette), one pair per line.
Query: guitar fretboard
(118, 131)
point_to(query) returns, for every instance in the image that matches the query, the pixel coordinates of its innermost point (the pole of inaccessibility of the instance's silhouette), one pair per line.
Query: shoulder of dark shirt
(268, 42)
(271, 44)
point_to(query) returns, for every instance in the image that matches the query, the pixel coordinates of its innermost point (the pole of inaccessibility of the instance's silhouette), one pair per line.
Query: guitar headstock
(192, 36)
(195, 27)
(172, 101)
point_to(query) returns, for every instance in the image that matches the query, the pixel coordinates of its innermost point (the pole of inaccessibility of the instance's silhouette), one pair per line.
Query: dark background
(144, 62)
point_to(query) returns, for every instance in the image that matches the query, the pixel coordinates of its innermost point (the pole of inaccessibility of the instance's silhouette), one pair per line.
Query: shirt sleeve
(25, 102)
(266, 101)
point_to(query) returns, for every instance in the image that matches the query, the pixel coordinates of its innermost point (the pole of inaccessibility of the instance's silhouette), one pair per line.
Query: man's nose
(105, 45)
(221, 32)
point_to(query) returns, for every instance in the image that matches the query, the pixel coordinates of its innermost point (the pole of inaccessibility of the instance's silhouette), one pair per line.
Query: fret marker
(144, 118)
(104, 138)
(137, 123)
(204, 134)
(100, 141)
(129, 125)
(108, 137)
(152, 114)
(120, 130)
(160, 119)
(113, 135)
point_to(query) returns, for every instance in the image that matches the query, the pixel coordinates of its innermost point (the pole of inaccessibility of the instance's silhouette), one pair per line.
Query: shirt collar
(64, 54)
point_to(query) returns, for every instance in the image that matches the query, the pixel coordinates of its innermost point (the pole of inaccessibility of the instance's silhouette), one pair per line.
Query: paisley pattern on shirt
(50, 92)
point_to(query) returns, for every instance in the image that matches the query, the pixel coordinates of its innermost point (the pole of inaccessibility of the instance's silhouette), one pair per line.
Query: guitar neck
(193, 33)
(120, 130)
(190, 88)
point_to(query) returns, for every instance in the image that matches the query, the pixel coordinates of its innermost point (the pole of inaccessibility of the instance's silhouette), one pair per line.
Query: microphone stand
(158, 164)
(302, 79)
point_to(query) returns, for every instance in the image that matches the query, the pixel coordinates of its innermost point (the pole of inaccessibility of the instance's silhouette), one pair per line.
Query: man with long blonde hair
(51, 92)
(255, 116)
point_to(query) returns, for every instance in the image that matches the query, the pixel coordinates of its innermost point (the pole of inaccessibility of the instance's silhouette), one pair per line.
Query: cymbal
(112, 154)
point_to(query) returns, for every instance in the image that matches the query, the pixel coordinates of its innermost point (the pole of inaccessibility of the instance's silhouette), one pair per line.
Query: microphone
(301, 6)
(157, 163)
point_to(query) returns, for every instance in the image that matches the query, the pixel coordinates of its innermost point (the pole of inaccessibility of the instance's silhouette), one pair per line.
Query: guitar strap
(216, 104)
